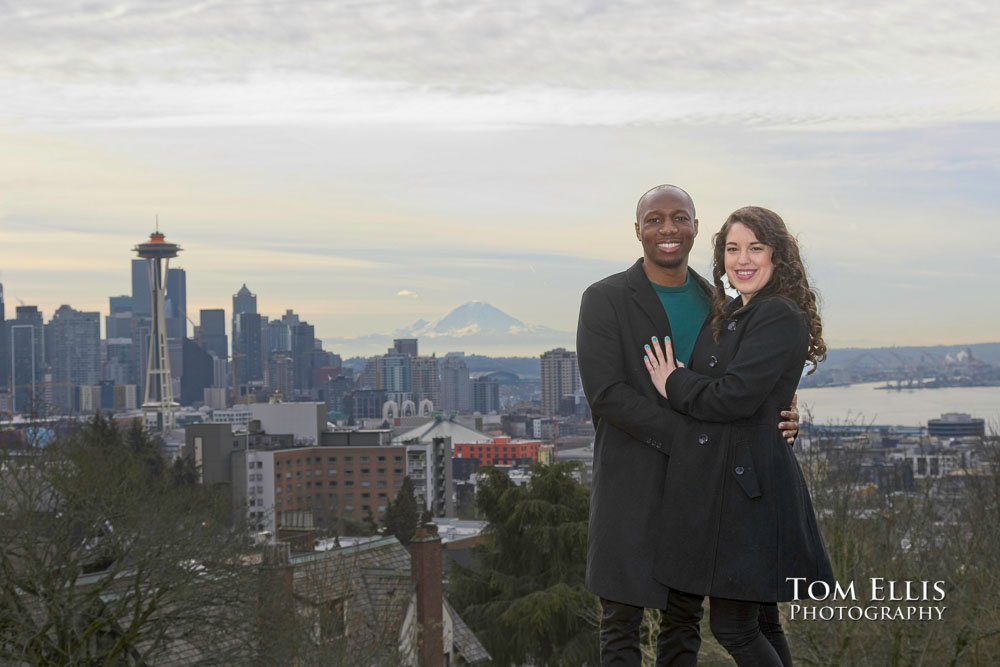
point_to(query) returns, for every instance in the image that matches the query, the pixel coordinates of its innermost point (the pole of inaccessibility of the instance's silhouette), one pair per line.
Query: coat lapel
(644, 295)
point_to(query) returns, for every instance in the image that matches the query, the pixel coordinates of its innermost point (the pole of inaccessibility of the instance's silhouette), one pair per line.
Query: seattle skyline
(368, 166)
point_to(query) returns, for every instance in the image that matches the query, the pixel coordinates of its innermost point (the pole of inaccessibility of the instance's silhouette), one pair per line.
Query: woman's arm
(776, 335)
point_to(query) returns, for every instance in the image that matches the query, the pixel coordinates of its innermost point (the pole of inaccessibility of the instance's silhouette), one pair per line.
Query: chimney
(425, 568)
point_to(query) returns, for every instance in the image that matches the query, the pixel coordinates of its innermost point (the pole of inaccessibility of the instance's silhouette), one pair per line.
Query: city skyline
(372, 166)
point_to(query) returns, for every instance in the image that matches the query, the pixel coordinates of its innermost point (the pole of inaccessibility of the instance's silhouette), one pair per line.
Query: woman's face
(748, 261)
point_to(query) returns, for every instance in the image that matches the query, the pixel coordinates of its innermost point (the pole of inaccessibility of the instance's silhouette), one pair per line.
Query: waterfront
(865, 403)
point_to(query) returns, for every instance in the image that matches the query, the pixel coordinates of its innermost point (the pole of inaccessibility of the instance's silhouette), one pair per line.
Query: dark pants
(751, 632)
(676, 644)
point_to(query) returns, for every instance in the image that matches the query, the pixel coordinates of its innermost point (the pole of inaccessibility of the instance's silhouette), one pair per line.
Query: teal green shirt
(687, 307)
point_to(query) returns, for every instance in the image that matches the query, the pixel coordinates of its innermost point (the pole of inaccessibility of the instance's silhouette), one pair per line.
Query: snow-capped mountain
(475, 326)
(475, 318)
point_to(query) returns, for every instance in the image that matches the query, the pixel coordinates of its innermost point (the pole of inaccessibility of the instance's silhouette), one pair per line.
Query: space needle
(159, 395)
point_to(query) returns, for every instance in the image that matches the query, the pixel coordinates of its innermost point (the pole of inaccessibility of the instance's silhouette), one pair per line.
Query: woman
(738, 523)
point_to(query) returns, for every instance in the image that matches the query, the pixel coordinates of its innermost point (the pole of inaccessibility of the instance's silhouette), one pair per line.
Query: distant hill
(843, 362)
(530, 367)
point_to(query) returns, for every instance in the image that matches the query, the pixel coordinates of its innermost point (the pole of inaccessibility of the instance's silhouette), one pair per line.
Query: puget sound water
(865, 403)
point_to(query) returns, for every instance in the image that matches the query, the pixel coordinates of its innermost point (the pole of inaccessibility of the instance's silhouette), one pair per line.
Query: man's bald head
(661, 188)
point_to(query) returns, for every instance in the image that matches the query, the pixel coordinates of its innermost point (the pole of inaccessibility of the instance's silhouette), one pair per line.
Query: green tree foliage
(526, 598)
(401, 514)
(111, 556)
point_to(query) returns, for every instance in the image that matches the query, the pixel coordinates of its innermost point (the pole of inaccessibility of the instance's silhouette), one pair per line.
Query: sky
(368, 164)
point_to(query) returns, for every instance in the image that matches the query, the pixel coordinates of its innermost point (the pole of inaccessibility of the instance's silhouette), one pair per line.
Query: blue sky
(371, 163)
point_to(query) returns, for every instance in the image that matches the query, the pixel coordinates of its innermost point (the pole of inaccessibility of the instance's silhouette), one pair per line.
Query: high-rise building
(73, 353)
(560, 378)
(4, 350)
(198, 373)
(425, 380)
(244, 302)
(456, 390)
(279, 337)
(393, 369)
(120, 361)
(25, 340)
(140, 289)
(303, 342)
(212, 332)
(247, 350)
(485, 395)
(118, 323)
(407, 346)
(176, 304)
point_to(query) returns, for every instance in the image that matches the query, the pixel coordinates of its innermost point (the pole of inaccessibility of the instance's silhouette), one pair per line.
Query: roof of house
(442, 428)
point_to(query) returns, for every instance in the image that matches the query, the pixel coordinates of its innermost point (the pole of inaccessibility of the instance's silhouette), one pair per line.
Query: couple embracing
(695, 491)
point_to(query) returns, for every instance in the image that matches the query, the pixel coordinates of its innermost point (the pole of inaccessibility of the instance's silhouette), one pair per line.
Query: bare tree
(111, 557)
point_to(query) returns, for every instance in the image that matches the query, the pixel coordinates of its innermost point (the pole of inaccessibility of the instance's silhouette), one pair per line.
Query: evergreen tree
(526, 599)
(401, 514)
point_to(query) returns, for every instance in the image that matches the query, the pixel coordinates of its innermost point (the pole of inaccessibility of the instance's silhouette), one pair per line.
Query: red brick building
(502, 450)
(334, 482)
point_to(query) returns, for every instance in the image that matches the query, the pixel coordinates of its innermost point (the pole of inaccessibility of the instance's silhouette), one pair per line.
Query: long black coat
(737, 520)
(634, 424)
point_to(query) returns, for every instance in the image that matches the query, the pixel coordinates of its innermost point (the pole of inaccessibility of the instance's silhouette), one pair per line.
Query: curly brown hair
(788, 279)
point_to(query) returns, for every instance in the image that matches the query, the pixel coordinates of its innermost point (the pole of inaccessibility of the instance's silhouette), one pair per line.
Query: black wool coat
(737, 520)
(634, 426)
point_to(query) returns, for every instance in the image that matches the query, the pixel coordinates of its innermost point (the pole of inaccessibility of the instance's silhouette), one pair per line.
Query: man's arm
(602, 370)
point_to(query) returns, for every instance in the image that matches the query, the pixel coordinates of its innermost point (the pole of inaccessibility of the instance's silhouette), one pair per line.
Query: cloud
(407, 293)
(182, 63)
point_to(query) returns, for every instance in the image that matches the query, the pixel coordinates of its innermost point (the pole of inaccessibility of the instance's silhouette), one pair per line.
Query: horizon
(375, 165)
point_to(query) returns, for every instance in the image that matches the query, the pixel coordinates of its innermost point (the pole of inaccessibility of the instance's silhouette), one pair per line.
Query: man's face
(666, 227)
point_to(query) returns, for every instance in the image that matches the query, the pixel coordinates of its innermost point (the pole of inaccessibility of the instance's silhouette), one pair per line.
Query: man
(658, 296)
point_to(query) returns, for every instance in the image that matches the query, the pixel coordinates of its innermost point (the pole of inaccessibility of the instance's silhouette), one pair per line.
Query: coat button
(702, 439)
(732, 326)
(739, 470)
(712, 361)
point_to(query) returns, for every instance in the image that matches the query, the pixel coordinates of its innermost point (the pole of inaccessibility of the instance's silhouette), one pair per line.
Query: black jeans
(677, 643)
(751, 632)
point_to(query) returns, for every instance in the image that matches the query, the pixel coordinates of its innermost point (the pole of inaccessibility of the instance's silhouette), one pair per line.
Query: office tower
(278, 336)
(159, 394)
(244, 302)
(425, 380)
(118, 323)
(197, 375)
(73, 353)
(176, 304)
(247, 349)
(393, 370)
(407, 346)
(120, 366)
(303, 342)
(485, 395)
(280, 374)
(212, 332)
(4, 350)
(140, 289)
(456, 391)
(25, 340)
(560, 377)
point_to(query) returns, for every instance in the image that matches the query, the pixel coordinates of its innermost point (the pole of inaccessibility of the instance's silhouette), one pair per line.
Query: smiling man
(659, 295)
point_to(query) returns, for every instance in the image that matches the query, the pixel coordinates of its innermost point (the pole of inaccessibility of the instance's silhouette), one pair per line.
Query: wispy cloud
(186, 63)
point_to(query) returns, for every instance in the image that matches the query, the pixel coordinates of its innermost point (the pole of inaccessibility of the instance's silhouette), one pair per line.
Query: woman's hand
(660, 364)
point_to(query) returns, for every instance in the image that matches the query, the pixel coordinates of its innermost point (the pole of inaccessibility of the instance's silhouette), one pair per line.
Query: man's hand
(790, 429)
